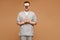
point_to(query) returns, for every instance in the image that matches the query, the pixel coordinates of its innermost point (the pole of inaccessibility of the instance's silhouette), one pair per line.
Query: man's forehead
(26, 4)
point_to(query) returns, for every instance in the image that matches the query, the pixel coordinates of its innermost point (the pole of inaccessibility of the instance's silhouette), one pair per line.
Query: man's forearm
(20, 23)
(32, 22)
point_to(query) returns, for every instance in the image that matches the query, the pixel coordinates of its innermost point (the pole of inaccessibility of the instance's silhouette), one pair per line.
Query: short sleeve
(34, 17)
(18, 18)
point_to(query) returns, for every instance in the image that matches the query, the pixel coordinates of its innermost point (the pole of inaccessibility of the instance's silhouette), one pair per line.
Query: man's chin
(26, 9)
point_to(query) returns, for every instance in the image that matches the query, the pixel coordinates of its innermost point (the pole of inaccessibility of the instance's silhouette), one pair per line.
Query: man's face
(26, 6)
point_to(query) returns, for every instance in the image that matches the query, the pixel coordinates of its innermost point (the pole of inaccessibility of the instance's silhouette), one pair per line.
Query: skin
(27, 20)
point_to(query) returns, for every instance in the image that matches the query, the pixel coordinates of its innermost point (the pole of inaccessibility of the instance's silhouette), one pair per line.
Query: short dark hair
(26, 2)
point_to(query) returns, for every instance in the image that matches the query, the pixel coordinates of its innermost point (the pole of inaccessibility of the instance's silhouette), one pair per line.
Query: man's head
(26, 5)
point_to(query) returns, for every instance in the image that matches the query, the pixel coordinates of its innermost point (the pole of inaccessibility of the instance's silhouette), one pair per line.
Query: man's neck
(26, 10)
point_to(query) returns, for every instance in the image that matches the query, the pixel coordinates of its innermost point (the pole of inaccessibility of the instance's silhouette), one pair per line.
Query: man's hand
(23, 22)
(29, 21)
(26, 20)
(20, 23)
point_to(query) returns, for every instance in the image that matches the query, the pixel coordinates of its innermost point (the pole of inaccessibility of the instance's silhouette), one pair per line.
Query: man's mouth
(26, 7)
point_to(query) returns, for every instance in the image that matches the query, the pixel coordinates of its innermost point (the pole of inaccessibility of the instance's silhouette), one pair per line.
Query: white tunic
(26, 12)
(26, 29)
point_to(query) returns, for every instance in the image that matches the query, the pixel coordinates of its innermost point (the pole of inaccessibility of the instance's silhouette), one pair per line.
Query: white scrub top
(26, 29)
(26, 12)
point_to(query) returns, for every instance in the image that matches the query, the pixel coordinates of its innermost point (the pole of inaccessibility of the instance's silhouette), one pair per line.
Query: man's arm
(20, 23)
(34, 20)
(19, 20)
(33, 23)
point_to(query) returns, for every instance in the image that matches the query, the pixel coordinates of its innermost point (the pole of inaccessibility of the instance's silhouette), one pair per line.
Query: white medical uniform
(26, 29)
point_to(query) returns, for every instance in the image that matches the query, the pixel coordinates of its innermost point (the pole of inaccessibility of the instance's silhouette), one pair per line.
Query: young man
(26, 19)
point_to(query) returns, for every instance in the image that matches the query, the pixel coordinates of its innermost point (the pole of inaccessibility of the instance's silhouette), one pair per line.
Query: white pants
(26, 37)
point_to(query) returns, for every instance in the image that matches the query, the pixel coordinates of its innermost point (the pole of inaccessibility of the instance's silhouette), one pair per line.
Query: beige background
(48, 16)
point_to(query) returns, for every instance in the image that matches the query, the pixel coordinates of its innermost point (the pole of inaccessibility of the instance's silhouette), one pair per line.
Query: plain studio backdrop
(48, 18)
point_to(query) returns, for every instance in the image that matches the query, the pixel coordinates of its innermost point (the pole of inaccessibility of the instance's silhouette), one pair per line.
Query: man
(26, 20)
